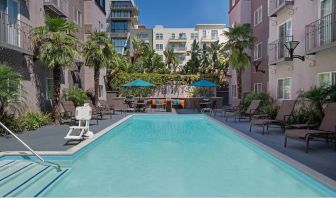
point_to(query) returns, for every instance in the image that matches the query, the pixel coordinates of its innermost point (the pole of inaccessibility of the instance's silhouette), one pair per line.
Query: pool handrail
(55, 165)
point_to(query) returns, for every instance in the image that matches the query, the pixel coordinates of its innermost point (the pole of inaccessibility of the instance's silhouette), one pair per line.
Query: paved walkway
(322, 156)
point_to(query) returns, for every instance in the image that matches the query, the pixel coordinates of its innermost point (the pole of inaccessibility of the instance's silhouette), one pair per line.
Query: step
(40, 184)
(5, 162)
(13, 170)
(16, 183)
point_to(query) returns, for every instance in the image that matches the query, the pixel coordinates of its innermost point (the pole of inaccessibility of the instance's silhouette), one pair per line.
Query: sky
(182, 13)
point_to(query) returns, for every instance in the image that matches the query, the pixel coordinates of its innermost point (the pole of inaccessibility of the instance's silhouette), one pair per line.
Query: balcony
(178, 40)
(119, 34)
(209, 39)
(57, 7)
(124, 7)
(276, 5)
(321, 34)
(277, 50)
(15, 34)
(178, 50)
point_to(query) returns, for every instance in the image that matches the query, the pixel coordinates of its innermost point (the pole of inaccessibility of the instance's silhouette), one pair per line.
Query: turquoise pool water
(185, 156)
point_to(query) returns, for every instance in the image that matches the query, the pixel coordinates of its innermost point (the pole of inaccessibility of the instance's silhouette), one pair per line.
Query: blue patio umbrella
(204, 83)
(138, 83)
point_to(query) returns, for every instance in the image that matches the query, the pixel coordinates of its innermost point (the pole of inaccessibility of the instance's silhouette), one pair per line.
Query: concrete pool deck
(321, 158)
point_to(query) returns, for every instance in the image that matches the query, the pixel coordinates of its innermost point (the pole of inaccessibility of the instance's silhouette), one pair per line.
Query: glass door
(326, 22)
(284, 35)
(13, 29)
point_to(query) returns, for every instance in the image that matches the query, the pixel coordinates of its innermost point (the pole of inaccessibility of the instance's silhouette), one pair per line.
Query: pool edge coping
(287, 159)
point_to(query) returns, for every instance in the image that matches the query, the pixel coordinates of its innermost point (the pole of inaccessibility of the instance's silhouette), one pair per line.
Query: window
(214, 34)
(284, 88)
(182, 36)
(326, 79)
(142, 36)
(119, 27)
(78, 17)
(194, 36)
(258, 16)
(257, 88)
(101, 4)
(234, 90)
(121, 14)
(173, 36)
(100, 27)
(16, 89)
(100, 91)
(159, 36)
(284, 35)
(49, 88)
(258, 51)
(204, 34)
(119, 44)
(159, 46)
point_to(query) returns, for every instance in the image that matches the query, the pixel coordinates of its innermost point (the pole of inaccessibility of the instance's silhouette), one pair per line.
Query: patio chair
(226, 109)
(285, 111)
(158, 103)
(96, 113)
(83, 115)
(69, 111)
(177, 103)
(251, 111)
(106, 109)
(327, 129)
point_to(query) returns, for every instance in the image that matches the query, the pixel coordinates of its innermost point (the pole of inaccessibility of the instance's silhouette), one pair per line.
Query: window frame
(78, 16)
(258, 15)
(234, 91)
(330, 73)
(255, 88)
(283, 91)
(47, 88)
(256, 51)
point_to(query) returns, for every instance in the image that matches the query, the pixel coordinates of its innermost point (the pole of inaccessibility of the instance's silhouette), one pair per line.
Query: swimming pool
(180, 155)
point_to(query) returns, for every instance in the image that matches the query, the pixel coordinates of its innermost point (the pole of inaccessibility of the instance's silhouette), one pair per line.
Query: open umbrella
(204, 83)
(138, 83)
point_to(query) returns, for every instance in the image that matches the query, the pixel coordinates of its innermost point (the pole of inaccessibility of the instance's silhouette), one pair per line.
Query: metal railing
(55, 165)
(14, 32)
(277, 49)
(276, 5)
(60, 7)
(321, 33)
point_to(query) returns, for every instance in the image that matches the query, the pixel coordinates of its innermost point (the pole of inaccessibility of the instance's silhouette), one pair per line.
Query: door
(13, 29)
(284, 35)
(326, 22)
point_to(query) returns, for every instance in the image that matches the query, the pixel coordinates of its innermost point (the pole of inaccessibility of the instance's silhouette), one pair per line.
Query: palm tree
(98, 52)
(194, 62)
(150, 61)
(139, 47)
(214, 53)
(204, 59)
(56, 47)
(240, 38)
(171, 59)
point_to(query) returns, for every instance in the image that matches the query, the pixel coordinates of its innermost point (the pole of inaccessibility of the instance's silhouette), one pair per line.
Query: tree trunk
(56, 112)
(239, 83)
(96, 85)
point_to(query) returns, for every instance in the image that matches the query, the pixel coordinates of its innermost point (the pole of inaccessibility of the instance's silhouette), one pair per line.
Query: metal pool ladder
(42, 161)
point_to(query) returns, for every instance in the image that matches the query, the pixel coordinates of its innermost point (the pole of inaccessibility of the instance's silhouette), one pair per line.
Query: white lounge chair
(83, 115)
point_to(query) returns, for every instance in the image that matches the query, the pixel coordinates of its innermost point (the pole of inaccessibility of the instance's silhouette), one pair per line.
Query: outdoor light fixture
(291, 45)
(256, 66)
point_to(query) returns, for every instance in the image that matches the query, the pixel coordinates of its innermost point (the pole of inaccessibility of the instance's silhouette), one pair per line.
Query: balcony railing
(57, 7)
(276, 5)
(15, 34)
(277, 50)
(321, 34)
(178, 39)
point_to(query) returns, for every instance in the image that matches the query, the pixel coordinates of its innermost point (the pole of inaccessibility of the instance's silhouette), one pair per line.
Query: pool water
(184, 156)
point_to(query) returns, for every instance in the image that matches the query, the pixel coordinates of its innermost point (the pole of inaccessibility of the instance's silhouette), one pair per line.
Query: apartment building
(240, 13)
(17, 19)
(141, 32)
(181, 39)
(311, 36)
(260, 25)
(122, 18)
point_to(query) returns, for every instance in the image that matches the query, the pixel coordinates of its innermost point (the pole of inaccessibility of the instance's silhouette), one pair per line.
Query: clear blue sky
(182, 13)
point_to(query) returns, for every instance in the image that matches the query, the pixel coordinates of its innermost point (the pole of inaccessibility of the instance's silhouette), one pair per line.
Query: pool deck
(321, 156)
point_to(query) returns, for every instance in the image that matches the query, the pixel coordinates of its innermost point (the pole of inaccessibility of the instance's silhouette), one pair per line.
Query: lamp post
(291, 46)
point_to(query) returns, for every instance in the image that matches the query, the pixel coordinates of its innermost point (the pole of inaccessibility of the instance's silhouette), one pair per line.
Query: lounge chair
(327, 128)
(226, 109)
(158, 103)
(96, 113)
(83, 115)
(176, 103)
(251, 111)
(106, 109)
(69, 110)
(285, 111)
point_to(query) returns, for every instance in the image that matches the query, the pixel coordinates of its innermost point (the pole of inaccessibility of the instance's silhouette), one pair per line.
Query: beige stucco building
(312, 23)
(19, 17)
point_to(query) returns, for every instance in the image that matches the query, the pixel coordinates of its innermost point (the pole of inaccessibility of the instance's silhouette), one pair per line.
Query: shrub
(34, 120)
(11, 122)
(264, 97)
(76, 95)
(270, 110)
(304, 115)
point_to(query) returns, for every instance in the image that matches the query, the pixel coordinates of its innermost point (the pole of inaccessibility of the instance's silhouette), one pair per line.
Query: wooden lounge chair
(69, 111)
(285, 111)
(226, 109)
(106, 109)
(251, 110)
(327, 128)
